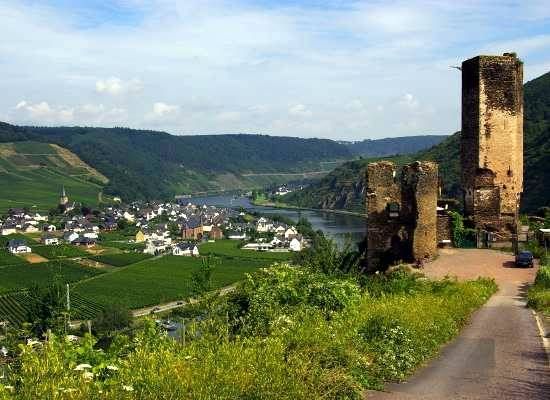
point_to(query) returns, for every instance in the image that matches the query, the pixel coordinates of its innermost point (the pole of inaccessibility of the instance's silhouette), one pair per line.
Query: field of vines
(14, 308)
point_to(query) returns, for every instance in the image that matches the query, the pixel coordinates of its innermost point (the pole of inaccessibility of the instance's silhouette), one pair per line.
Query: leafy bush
(538, 296)
(314, 337)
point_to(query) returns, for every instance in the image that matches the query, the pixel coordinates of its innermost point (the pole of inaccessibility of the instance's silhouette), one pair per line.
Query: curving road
(499, 355)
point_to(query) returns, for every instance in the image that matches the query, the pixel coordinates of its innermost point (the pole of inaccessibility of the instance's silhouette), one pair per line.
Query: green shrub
(543, 277)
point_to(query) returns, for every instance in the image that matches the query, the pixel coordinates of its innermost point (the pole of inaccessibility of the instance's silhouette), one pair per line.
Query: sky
(344, 70)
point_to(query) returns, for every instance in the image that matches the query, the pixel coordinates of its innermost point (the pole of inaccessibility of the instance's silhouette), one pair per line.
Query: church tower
(63, 199)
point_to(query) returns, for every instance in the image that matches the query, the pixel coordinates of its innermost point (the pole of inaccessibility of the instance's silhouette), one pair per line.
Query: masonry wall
(410, 233)
(492, 139)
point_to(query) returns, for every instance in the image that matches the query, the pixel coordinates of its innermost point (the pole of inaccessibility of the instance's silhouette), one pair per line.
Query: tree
(201, 279)
(46, 308)
(112, 318)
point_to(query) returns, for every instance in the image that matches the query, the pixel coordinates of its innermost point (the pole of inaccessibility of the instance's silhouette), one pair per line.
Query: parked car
(525, 259)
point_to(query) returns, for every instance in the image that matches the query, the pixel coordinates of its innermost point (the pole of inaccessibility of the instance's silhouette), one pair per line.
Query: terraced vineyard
(14, 308)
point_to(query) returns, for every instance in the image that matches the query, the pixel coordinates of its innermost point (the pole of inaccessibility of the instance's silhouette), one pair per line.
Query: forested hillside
(391, 146)
(346, 182)
(147, 164)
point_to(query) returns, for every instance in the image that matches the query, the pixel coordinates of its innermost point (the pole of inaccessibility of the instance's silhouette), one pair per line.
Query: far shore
(291, 207)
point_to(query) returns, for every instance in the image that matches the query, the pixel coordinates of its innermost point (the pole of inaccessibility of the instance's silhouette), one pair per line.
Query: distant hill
(32, 174)
(343, 188)
(391, 146)
(150, 165)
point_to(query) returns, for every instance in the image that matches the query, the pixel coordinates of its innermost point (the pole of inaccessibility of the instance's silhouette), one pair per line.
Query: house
(90, 234)
(85, 241)
(70, 236)
(280, 230)
(140, 236)
(291, 233)
(155, 247)
(50, 240)
(49, 228)
(17, 246)
(263, 225)
(185, 249)
(128, 216)
(7, 229)
(257, 246)
(193, 229)
(215, 233)
(110, 225)
(30, 228)
(237, 236)
(295, 245)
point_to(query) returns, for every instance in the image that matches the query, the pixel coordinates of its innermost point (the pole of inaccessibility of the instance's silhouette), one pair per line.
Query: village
(156, 228)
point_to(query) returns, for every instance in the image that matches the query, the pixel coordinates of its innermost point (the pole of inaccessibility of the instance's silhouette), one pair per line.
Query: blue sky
(313, 68)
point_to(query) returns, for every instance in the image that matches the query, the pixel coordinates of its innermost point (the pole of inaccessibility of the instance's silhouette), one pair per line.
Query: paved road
(499, 355)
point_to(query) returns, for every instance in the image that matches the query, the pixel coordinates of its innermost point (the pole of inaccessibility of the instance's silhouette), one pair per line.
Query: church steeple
(63, 199)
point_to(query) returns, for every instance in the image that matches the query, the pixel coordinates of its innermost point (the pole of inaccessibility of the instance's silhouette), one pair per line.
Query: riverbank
(265, 203)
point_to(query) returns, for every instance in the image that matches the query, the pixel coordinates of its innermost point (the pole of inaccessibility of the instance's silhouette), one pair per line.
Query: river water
(339, 227)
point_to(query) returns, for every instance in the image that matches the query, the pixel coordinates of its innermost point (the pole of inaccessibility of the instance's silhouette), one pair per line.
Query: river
(339, 227)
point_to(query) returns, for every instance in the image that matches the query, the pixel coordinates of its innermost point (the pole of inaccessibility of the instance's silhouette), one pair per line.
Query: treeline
(149, 164)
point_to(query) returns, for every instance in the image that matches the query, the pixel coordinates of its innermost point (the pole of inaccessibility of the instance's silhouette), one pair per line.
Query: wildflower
(187, 357)
(112, 367)
(9, 388)
(32, 342)
(128, 388)
(4, 351)
(82, 367)
(88, 376)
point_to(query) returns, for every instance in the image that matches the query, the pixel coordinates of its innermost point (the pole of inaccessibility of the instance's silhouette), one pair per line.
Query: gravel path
(499, 355)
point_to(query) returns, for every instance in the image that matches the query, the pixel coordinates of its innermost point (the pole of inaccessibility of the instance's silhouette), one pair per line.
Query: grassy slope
(160, 280)
(33, 173)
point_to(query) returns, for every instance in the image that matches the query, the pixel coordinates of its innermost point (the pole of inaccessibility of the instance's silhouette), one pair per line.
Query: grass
(121, 259)
(538, 296)
(59, 251)
(160, 280)
(312, 350)
(230, 248)
(24, 276)
(6, 258)
(35, 179)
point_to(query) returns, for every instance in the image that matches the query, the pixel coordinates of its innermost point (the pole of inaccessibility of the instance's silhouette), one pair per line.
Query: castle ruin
(492, 142)
(401, 209)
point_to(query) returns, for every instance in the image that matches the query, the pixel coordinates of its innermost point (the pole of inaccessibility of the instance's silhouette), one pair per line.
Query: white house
(155, 247)
(237, 236)
(7, 229)
(16, 246)
(50, 240)
(185, 249)
(128, 217)
(263, 225)
(257, 246)
(30, 228)
(291, 233)
(38, 217)
(70, 236)
(50, 228)
(90, 234)
(295, 245)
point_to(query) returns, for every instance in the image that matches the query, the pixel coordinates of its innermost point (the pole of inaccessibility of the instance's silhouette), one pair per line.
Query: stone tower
(492, 141)
(63, 199)
(401, 212)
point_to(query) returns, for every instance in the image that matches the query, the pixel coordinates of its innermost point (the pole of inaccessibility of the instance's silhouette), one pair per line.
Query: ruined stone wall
(444, 227)
(492, 138)
(401, 212)
(422, 180)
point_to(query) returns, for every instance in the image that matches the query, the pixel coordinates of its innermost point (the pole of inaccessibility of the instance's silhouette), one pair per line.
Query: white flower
(4, 351)
(81, 367)
(112, 367)
(32, 342)
(128, 388)
(187, 357)
(9, 388)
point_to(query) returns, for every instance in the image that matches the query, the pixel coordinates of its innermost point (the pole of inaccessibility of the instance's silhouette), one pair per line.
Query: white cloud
(342, 70)
(115, 86)
(161, 109)
(300, 110)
